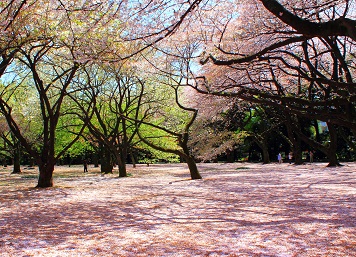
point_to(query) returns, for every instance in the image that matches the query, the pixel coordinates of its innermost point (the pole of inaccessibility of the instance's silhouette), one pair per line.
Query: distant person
(290, 156)
(85, 163)
(279, 157)
(311, 156)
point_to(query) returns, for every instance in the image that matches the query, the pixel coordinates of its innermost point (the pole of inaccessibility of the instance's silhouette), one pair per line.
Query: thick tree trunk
(121, 157)
(193, 169)
(46, 175)
(331, 152)
(106, 168)
(298, 156)
(106, 161)
(332, 157)
(262, 144)
(265, 155)
(122, 168)
(230, 156)
(17, 166)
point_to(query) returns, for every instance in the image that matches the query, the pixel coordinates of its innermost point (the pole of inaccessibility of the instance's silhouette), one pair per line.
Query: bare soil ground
(239, 209)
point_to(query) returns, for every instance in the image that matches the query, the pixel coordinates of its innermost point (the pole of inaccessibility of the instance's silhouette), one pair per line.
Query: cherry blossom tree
(52, 40)
(45, 66)
(293, 55)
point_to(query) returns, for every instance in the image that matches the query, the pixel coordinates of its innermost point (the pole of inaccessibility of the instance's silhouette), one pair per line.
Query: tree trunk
(17, 165)
(106, 162)
(331, 152)
(261, 143)
(46, 175)
(230, 156)
(294, 138)
(106, 167)
(265, 155)
(298, 156)
(132, 158)
(193, 169)
(122, 167)
(332, 157)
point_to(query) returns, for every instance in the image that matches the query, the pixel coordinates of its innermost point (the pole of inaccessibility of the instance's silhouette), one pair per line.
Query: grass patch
(242, 168)
(29, 176)
(67, 175)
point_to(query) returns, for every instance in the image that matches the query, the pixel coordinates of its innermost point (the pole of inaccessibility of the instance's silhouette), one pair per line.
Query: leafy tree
(45, 66)
(11, 148)
(115, 95)
(168, 133)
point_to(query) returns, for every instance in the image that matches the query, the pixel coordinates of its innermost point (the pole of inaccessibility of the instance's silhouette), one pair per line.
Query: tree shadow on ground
(249, 214)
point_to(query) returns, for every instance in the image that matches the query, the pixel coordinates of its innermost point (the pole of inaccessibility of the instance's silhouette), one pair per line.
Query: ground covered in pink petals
(238, 209)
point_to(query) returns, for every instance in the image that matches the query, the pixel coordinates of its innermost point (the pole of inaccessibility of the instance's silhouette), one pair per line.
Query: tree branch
(339, 27)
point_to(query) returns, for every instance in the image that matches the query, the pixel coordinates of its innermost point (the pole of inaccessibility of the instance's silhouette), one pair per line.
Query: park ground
(238, 209)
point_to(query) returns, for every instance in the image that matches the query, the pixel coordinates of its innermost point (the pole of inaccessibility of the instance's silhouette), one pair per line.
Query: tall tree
(45, 66)
(52, 84)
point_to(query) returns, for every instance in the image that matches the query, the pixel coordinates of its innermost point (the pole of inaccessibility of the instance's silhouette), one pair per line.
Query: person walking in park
(279, 157)
(290, 156)
(311, 156)
(85, 163)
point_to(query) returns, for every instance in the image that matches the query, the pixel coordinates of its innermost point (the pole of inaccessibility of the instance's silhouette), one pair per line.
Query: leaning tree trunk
(46, 175)
(193, 169)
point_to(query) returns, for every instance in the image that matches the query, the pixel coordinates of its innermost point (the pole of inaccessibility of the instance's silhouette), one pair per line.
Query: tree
(11, 34)
(50, 42)
(52, 84)
(45, 66)
(217, 131)
(115, 94)
(167, 135)
(11, 147)
(301, 60)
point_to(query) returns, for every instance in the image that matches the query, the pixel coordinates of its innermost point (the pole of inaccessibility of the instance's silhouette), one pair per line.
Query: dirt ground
(238, 209)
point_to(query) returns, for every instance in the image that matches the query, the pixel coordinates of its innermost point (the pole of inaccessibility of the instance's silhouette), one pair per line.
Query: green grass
(242, 168)
(29, 176)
